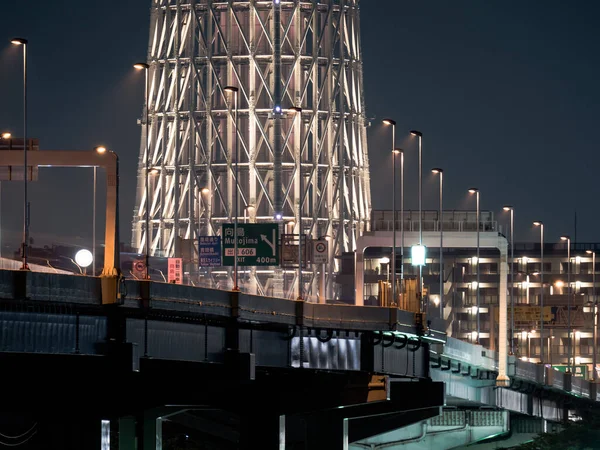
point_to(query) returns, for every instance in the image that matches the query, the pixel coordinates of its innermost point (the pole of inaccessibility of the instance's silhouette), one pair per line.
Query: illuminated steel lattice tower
(281, 55)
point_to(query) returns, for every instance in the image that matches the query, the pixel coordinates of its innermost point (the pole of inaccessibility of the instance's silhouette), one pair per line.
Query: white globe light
(84, 258)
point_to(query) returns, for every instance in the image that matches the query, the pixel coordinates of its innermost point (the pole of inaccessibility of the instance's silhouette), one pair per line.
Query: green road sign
(258, 244)
(578, 370)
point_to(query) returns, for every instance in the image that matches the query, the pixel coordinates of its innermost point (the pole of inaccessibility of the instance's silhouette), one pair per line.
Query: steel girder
(311, 164)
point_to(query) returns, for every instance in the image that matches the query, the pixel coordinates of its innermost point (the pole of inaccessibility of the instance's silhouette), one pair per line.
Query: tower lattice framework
(314, 163)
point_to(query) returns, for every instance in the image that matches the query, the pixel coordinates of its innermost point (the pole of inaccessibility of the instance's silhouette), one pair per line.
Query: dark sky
(506, 94)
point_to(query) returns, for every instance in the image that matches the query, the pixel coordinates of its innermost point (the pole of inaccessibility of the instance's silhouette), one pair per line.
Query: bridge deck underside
(94, 386)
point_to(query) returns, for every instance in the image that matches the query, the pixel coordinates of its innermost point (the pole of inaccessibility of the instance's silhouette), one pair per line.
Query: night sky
(506, 94)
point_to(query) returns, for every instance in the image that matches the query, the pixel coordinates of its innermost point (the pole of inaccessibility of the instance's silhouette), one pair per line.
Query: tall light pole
(5, 135)
(512, 277)
(145, 67)
(420, 136)
(476, 192)
(298, 116)
(235, 223)
(94, 224)
(393, 124)
(595, 331)
(440, 172)
(541, 225)
(401, 219)
(23, 42)
(568, 239)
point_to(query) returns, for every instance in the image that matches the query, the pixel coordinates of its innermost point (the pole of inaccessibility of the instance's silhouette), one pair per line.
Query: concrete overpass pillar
(260, 431)
(149, 432)
(126, 432)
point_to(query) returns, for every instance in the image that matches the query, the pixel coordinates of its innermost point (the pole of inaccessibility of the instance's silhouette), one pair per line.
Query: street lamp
(568, 239)
(512, 277)
(394, 152)
(84, 258)
(540, 224)
(401, 218)
(111, 246)
(23, 42)
(440, 172)
(145, 67)
(235, 90)
(476, 192)
(5, 135)
(595, 331)
(385, 260)
(420, 136)
(100, 149)
(298, 115)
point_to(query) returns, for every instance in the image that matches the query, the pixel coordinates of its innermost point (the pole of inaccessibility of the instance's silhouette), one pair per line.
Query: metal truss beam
(281, 55)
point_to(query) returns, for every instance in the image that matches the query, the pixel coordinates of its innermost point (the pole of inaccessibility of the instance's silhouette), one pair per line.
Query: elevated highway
(285, 374)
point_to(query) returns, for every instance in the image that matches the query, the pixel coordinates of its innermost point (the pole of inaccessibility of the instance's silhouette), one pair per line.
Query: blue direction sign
(209, 251)
(258, 244)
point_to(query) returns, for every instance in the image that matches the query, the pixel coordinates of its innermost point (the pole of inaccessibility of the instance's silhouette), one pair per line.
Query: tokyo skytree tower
(301, 127)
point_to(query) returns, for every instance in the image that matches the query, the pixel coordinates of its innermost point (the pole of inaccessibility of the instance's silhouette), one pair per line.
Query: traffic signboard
(320, 251)
(578, 370)
(289, 251)
(529, 314)
(209, 251)
(258, 244)
(139, 268)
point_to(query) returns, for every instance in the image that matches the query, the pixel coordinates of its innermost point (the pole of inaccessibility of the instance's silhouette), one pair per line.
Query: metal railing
(432, 225)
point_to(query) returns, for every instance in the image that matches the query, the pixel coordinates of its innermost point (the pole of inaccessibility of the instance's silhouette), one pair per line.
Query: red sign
(175, 270)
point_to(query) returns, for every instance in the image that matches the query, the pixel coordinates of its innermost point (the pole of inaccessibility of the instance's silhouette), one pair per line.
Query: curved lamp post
(512, 277)
(235, 90)
(440, 172)
(476, 192)
(394, 152)
(24, 43)
(568, 239)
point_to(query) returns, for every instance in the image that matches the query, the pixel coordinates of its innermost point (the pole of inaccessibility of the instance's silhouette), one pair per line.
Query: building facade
(567, 337)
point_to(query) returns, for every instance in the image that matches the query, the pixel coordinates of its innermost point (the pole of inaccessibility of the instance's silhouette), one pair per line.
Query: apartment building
(567, 337)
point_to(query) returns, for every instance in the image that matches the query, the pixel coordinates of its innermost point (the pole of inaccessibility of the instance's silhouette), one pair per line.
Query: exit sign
(257, 244)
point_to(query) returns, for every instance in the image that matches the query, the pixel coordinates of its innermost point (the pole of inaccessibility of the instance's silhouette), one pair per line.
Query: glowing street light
(512, 277)
(568, 239)
(476, 192)
(440, 172)
(23, 42)
(595, 331)
(393, 124)
(419, 135)
(84, 258)
(146, 68)
(541, 225)
(234, 90)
